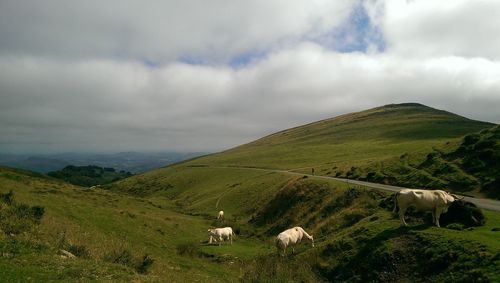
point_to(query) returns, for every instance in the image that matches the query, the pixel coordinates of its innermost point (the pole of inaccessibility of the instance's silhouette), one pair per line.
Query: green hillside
(152, 227)
(361, 138)
(161, 236)
(470, 165)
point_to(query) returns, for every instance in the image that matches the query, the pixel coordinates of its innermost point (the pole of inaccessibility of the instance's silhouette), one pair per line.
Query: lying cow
(221, 215)
(220, 235)
(290, 238)
(435, 201)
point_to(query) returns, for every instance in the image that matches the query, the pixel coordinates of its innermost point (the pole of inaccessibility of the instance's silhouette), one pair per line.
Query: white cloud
(439, 28)
(118, 105)
(71, 76)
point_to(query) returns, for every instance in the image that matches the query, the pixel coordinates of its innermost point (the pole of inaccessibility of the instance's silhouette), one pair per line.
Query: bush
(189, 249)
(463, 212)
(79, 251)
(18, 217)
(121, 256)
(125, 257)
(7, 198)
(144, 264)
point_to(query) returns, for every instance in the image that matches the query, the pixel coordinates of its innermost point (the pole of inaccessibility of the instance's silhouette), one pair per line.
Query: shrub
(144, 264)
(463, 212)
(17, 218)
(188, 249)
(125, 257)
(79, 251)
(7, 198)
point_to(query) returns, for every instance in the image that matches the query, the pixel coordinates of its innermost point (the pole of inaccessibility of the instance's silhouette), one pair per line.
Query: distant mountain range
(135, 162)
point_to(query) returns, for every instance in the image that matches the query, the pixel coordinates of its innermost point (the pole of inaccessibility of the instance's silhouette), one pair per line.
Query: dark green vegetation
(88, 176)
(470, 165)
(153, 227)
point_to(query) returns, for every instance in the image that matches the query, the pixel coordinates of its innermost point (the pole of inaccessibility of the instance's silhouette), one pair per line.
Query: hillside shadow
(373, 261)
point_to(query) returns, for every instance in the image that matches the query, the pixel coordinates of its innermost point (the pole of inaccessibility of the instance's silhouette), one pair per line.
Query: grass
(153, 227)
(103, 224)
(371, 136)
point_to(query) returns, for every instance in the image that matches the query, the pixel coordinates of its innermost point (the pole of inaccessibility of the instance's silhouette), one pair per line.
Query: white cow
(221, 234)
(290, 238)
(435, 201)
(221, 215)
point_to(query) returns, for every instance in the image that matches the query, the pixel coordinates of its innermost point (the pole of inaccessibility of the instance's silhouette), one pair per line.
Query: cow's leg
(433, 217)
(210, 240)
(438, 214)
(402, 211)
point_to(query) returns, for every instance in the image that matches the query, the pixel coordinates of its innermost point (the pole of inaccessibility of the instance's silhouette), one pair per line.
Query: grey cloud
(160, 30)
(71, 76)
(111, 105)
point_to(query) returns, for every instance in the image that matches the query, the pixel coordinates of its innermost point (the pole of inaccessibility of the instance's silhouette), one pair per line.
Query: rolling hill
(365, 137)
(163, 215)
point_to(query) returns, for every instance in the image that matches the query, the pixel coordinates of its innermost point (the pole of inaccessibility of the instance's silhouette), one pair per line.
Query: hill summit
(353, 139)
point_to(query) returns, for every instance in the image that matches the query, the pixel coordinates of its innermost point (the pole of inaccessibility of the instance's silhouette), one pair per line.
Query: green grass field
(164, 214)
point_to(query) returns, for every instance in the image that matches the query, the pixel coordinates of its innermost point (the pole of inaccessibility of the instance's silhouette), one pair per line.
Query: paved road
(480, 202)
(483, 203)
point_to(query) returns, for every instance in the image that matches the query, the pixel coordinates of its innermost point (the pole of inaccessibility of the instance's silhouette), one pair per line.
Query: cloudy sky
(198, 75)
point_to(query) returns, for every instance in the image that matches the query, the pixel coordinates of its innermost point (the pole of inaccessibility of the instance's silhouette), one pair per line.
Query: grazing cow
(290, 238)
(435, 201)
(221, 215)
(221, 234)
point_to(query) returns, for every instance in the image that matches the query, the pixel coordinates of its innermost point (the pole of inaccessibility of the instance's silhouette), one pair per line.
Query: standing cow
(435, 201)
(220, 216)
(290, 238)
(221, 234)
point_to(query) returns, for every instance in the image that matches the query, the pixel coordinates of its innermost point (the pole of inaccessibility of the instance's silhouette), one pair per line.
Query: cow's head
(450, 198)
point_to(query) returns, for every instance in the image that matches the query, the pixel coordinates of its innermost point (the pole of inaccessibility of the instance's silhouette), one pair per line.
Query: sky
(197, 75)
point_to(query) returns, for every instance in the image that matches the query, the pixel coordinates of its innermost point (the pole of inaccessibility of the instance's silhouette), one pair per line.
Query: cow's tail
(395, 202)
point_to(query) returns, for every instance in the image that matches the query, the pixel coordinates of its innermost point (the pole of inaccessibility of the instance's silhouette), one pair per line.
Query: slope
(470, 165)
(370, 136)
(348, 223)
(115, 237)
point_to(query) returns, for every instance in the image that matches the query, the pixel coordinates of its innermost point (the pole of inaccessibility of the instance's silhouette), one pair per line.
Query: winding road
(483, 203)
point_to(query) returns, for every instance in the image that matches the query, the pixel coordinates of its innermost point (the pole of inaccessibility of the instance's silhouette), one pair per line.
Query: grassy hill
(470, 165)
(337, 144)
(161, 236)
(163, 214)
